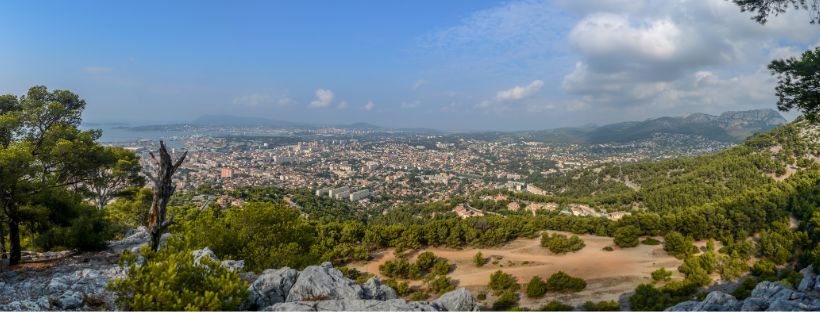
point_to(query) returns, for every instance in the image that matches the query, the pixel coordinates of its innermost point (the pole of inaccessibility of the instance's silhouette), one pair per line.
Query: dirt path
(608, 273)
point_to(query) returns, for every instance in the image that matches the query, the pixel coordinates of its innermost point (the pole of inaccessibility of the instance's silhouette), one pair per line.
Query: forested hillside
(677, 183)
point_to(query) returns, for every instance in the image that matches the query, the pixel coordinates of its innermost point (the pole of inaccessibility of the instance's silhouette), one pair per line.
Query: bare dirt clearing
(608, 273)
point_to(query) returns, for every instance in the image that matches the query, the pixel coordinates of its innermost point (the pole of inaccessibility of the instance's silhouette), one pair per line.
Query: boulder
(766, 296)
(457, 300)
(233, 265)
(374, 289)
(717, 301)
(135, 239)
(204, 253)
(272, 286)
(69, 300)
(323, 282)
(26, 305)
(808, 281)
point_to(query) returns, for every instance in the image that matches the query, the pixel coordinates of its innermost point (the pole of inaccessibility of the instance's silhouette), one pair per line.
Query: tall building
(226, 173)
(359, 195)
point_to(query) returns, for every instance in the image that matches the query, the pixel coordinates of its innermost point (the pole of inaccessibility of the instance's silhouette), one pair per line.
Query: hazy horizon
(477, 65)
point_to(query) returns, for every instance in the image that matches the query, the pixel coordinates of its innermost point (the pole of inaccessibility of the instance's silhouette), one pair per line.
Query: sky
(453, 65)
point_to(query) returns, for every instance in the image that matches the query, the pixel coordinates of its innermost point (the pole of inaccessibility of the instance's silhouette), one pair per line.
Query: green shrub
(169, 280)
(560, 244)
(419, 295)
(627, 236)
(265, 235)
(506, 300)
(611, 305)
(744, 290)
(556, 306)
(426, 260)
(650, 241)
(764, 268)
(563, 282)
(402, 288)
(649, 298)
(442, 284)
(661, 275)
(732, 267)
(479, 259)
(536, 287)
(88, 230)
(131, 211)
(400, 268)
(441, 267)
(678, 245)
(500, 282)
(608, 248)
(481, 296)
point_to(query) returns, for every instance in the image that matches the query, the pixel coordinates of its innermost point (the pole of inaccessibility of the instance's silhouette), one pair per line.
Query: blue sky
(442, 64)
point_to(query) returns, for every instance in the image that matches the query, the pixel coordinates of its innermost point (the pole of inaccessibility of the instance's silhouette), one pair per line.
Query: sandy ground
(609, 274)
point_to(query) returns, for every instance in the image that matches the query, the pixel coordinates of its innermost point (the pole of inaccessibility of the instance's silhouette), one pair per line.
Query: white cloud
(677, 55)
(342, 105)
(410, 105)
(419, 83)
(369, 106)
(324, 98)
(257, 99)
(519, 92)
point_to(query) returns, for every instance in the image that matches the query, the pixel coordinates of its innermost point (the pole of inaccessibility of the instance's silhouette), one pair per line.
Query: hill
(727, 127)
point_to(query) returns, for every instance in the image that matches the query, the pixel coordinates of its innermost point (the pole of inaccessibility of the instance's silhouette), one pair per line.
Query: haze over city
(476, 65)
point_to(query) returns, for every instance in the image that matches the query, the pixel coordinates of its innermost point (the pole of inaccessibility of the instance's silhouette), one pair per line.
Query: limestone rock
(69, 300)
(457, 300)
(717, 301)
(27, 305)
(374, 289)
(766, 296)
(233, 265)
(204, 253)
(323, 282)
(272, 286)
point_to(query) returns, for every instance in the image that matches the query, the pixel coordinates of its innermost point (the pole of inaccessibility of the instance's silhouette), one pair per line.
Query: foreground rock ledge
(75, 284)
(766, 296)
(324, 288)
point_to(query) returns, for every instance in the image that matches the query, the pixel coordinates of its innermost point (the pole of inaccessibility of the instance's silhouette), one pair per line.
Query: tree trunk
(14, 237)
(163, 189)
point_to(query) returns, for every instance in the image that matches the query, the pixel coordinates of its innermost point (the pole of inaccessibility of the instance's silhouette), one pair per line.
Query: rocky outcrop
(79, 283)
(324, 288)
(457, 300)
(766, 296)
(272, 286)
(374, 289)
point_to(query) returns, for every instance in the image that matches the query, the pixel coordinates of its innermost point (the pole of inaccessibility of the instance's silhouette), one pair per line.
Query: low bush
(563, 282)
(169, 280)
(441, 285)
(661, 275)
(560, 244)
(506, 300)
(479, 259)
(627, 236)
(536, 287)
(500, 282)
(650, 241)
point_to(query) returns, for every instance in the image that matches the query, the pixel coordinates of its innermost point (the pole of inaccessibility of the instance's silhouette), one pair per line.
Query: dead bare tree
(163, 189)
